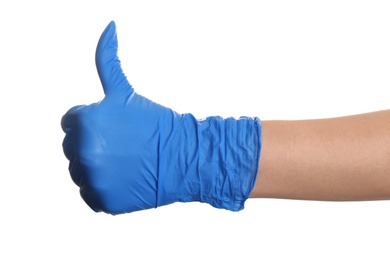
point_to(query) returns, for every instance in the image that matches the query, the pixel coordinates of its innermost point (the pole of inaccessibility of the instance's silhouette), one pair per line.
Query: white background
(271, 59)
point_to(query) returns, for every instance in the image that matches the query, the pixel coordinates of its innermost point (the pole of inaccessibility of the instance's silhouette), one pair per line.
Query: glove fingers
(69, 122)
(91, 198)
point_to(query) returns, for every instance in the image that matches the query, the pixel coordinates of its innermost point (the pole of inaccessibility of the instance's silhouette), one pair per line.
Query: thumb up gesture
(127, 153)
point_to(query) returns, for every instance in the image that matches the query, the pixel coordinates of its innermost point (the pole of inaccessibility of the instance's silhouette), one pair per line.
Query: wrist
(214, 160)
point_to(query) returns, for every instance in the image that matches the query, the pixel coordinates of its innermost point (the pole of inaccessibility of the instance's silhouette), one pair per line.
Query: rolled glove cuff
(214, 161)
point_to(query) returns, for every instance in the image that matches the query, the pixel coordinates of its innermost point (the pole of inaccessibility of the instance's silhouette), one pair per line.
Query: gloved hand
(127, 153)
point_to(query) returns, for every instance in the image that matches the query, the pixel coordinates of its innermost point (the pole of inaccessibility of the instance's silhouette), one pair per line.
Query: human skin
(333, 159)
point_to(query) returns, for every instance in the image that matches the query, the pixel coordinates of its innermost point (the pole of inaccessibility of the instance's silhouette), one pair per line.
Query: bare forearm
(345, 158)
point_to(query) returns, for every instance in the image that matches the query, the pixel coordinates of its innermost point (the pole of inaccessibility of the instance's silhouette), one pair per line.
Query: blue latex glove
(127, 153)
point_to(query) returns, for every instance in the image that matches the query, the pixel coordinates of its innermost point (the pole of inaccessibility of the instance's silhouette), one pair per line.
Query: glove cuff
(214, 161)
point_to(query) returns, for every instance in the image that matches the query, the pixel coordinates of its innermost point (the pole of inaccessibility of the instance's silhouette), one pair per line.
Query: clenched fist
(128, 153)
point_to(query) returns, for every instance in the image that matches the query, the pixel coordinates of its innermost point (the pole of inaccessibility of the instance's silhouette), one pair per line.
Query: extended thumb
(108, 64)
